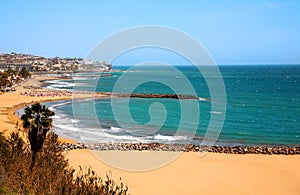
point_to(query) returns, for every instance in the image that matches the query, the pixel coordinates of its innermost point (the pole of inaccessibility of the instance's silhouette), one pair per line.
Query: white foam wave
(169, 138)
(80, 78)
(52, 108)
(57, 84)
(115, 129)
(60, 104)
(55, 116)
(98, 134)
(60, 86)
(67, 127)
(74, 129)
(75, 121)
(215, 112)
(127, 138)
(202, 99)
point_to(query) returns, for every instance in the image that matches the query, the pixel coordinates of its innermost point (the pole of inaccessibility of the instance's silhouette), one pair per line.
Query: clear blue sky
(234, 32)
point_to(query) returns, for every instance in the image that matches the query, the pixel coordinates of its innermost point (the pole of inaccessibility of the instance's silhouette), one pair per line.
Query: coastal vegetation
(40, 167)
(37, 119)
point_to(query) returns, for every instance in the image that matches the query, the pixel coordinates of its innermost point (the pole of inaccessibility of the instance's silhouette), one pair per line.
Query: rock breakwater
(268, 150)
(153, 95)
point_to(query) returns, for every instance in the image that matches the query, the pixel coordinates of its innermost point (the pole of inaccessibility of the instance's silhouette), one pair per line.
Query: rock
(283, 150)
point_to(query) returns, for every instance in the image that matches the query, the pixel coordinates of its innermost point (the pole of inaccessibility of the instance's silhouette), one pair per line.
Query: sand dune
(211, 174)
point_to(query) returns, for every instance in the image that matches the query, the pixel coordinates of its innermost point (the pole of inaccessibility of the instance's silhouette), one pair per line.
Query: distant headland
(52, 65)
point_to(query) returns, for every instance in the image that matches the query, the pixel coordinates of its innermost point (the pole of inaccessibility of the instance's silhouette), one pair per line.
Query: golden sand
(12, 101)
(212, 174)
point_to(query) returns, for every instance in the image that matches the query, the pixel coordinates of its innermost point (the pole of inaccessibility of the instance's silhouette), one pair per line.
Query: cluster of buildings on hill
(11, 77)
(57, 64)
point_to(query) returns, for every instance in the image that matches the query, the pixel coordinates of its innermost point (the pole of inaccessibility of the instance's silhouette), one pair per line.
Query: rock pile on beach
(252, 149)
(69, 146)
(285, 150)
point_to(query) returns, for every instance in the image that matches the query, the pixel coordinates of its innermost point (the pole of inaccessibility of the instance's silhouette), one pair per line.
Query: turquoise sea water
(263, 106)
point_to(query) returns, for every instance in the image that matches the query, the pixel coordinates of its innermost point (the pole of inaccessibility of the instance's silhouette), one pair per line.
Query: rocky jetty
(172, 96)
(268, 150)
(153, 95)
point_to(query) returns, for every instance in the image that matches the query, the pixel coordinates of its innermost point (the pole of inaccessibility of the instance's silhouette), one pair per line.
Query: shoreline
(33, 94)
(39, 81)
(69, 144)
(10, 102)
(13, 118)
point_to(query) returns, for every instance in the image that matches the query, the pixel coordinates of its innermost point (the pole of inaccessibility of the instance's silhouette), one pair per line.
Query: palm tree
(37, 119)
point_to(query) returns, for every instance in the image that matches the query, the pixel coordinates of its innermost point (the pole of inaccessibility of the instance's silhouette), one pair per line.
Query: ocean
(263, 106)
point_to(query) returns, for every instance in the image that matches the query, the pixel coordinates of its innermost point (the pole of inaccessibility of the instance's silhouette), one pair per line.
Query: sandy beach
(211, 174)
(188, 174)
(12, 101)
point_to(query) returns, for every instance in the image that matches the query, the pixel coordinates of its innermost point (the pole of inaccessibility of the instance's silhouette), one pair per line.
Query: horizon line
(233, 64)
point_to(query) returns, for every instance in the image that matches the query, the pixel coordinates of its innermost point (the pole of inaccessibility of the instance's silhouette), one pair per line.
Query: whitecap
(80, 78)
(215, 112)
(127, 138)
(55, 117)
(57, 84)
(67, 127)
(202, 99)
(115, 129)
(52, 109)
(60, 104)
(75, 121)
(169, 138)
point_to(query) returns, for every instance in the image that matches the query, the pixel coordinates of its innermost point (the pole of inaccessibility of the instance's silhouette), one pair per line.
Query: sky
(233, 32)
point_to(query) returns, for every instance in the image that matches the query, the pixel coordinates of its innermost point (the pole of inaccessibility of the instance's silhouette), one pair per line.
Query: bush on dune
(40, 167)
(51, 173)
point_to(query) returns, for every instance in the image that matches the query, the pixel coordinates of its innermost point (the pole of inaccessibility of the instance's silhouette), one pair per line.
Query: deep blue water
(263, 106)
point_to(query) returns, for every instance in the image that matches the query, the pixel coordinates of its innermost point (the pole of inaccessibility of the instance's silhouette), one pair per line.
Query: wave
(53, 107)
(75, 121)
(128, 138)
(71, 128)
(58, 115)
(115, 129)
(58, 84)
(55, 86)
(170, 138)
(61, 104)
(202, 99)
(81, 78)
(95, 134)
(67, 127)
(55, 116)
(215, 112)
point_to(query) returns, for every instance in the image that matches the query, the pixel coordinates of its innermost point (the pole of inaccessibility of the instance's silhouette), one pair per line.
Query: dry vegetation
(51, 173)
